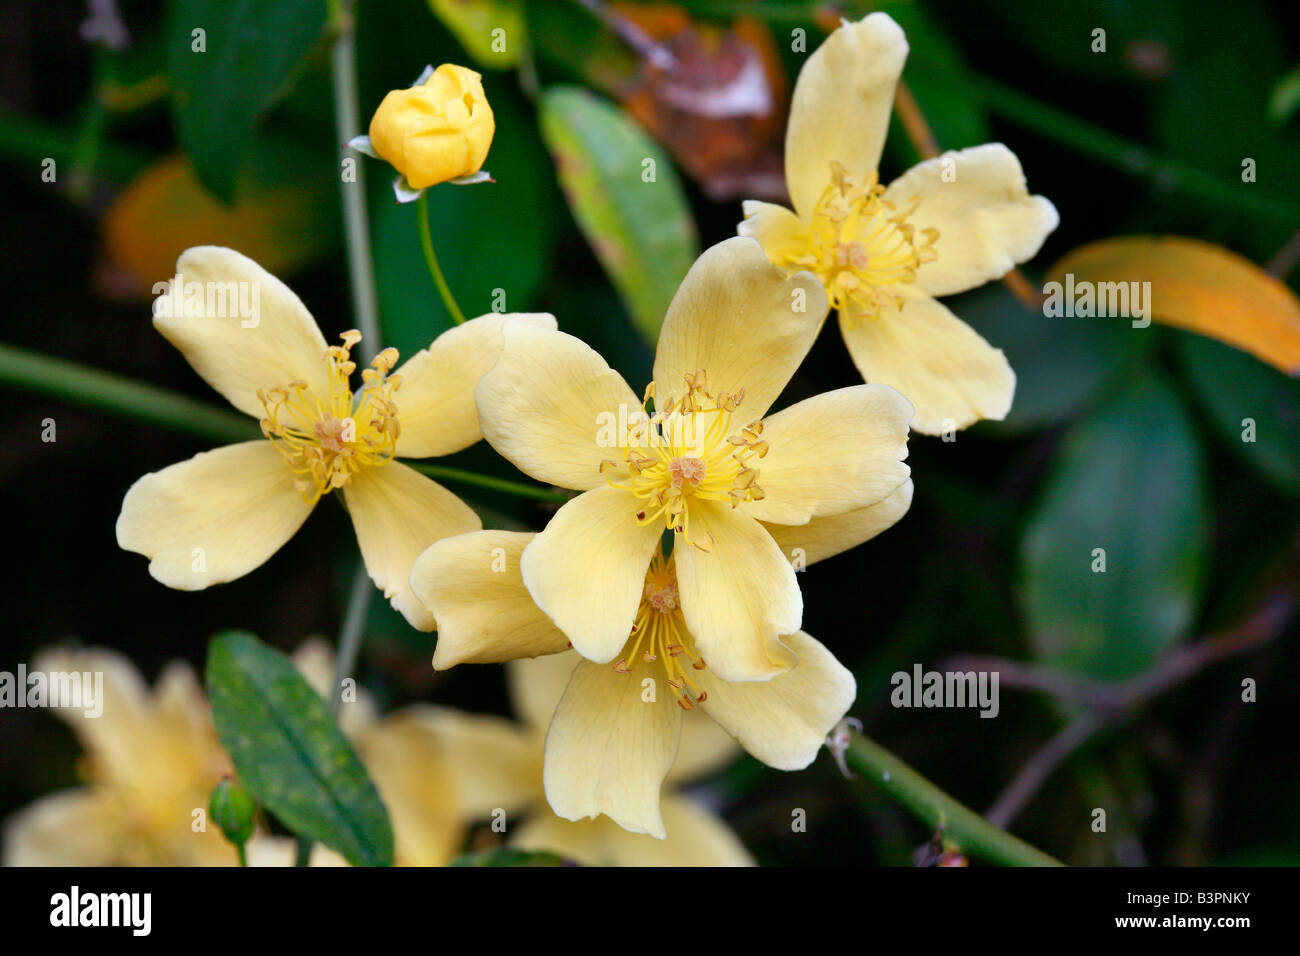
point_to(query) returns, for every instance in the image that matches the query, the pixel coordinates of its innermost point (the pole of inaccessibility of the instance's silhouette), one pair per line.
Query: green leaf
(1233, 387)
(1128, 480)
(641, 231)
(508, 856)
(289, 751)
(474, 22)
(249, 49)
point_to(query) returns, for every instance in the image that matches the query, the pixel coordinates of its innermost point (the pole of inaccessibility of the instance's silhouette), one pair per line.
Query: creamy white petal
(979, 202)
(949, 373)
(840, 108)
(435, 402)
(547, 404)
(397, 513)
(821, 538)
(784, 722)
(213, 518)
(741, 321)
(240, 327)
(587, 569)
(609, 749)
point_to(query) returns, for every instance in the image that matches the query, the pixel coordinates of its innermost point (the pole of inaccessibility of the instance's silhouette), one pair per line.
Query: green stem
(121, 396)
(487, 481)
(243, 854)
(354, 626)
(361, 269)
(431, 258)
(960, 826)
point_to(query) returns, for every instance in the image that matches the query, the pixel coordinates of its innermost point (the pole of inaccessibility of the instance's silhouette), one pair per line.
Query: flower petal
(822, 538)
(473, 587)
(782, 234)
(537, 685)
(242, 329)
(74, 827)
(494, 763)
(979, 202)
(705, 748)
(784, 722)
(948, 372)
(435, 402)
(740, 320)
(841, 105)
(738, 598)
(543, 405)
(414, 777)
(832, 453)
(397, 513)
(696, 837)
(213, 518)
(587, 569)
(608, 750)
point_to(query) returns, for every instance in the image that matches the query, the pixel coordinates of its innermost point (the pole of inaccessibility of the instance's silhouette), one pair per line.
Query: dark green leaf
(1128, 480)
(626, 198)
(249, 50)
(1233, 387)
(289, 751)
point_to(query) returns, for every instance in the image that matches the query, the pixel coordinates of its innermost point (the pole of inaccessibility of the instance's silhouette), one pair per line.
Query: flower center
(863, 246)
(688, 451)
(328, 439)
(660, 635)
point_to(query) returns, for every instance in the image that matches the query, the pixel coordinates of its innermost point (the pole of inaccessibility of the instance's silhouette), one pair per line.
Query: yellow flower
(613, 737)
(735, 487)
(437, 130)
(151, 759)
(223, 513)
(884, 253)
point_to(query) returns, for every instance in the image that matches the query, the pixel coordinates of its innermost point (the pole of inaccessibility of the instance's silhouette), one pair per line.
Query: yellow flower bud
(438, 131)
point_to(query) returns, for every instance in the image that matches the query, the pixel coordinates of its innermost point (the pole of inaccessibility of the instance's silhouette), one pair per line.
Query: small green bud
(232, 809)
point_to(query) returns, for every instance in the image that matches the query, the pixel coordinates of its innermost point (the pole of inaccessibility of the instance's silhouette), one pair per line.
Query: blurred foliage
(1127, 439)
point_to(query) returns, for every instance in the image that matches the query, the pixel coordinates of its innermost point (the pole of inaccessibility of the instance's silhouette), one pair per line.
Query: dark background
(1195, 777)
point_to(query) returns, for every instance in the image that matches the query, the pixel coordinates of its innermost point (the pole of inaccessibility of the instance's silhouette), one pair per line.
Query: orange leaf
(165, 210)
(1200, 287)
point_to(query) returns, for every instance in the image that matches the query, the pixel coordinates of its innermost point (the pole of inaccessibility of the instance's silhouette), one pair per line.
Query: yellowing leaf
(1201, 287)
(165, 211)
(491, 31)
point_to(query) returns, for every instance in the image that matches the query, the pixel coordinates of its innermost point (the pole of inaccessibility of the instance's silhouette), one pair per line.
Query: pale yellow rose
(223, 513)
(884, 254)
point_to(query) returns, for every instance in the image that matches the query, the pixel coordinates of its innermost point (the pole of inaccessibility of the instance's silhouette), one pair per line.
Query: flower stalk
(431, 259)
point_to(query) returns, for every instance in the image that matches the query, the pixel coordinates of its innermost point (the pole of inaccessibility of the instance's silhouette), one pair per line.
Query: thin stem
(121, 396)
(958, 824)
(487, 481)
(431, 258)
(361, 270)
(354, 626)
(243, 854)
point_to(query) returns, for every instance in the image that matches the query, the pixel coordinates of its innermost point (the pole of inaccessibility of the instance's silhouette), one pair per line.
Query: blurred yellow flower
(884, 253)
(437, 130)
(151, 760)
(613, 735)
(223, 513)
(706, 465)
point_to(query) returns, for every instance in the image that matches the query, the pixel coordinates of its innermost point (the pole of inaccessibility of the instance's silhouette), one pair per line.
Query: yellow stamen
(863, 246)
(328, 439)
(688, 450)
(660, 634)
